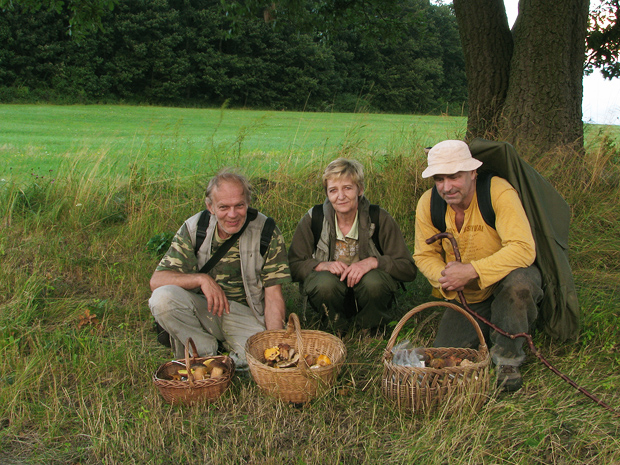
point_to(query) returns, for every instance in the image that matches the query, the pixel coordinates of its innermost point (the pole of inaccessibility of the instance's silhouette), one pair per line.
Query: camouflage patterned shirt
(227, 272)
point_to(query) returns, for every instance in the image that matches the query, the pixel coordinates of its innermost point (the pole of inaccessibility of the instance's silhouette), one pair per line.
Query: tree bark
(525, 87)
(543, 108)
(488, 47)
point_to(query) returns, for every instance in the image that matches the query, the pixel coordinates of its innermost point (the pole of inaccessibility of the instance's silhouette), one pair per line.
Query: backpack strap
(317, 223)
(483, 192)
(438, 210)
(201, 232)
(265, 235)
(374, 217)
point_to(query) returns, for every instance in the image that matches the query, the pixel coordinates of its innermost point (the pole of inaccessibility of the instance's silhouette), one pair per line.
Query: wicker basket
(298, 384)
(192, 391)
(424, 390)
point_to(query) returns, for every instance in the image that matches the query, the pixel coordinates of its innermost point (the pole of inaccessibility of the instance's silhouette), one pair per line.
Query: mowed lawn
(39, 138)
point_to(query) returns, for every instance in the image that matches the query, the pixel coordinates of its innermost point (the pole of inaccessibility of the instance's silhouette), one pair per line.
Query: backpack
(265, 236)
(317, 224)
(549, 217)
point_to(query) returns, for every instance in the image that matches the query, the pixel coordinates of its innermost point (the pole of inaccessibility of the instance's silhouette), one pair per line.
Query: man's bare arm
(216, 299)
(275, 308)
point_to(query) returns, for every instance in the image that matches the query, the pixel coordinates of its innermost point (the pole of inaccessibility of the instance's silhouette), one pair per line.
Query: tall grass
(75, 244)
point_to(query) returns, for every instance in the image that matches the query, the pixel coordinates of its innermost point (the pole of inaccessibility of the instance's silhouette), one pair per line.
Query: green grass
(40, 138)
(76, 240)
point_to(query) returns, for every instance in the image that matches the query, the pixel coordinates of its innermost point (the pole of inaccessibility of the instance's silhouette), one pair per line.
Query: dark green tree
(180, 52)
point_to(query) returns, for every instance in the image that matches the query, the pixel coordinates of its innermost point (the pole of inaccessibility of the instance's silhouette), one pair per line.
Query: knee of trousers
(324, 284)
(523, 284)
(518, 293)
(376, 286)
(166, 299)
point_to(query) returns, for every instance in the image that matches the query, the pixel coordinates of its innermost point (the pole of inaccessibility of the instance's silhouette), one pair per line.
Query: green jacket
(549, 217)
(396, 259)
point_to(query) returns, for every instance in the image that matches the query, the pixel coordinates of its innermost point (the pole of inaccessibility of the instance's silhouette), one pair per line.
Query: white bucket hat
(449, 157)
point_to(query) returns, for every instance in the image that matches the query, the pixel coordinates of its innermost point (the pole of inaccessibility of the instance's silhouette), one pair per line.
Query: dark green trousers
(513, 307)
(366, 305)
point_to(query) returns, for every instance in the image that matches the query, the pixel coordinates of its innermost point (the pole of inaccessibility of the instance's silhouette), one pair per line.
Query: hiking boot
(508, 378)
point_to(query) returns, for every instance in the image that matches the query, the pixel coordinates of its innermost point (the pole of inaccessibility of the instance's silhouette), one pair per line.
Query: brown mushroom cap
(200, 372)
(217, 369)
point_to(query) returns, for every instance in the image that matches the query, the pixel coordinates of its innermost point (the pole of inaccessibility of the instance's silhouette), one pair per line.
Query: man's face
(456, 189)
(343, 194)
(229, 205)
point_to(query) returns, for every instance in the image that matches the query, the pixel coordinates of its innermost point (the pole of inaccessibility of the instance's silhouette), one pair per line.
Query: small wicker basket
(192, 391)
(426, 389)
(298, 384)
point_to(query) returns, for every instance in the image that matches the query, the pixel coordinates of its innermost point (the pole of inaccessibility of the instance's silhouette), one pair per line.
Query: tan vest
(249, 251)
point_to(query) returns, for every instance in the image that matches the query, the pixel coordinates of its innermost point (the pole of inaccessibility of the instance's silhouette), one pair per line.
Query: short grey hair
(229, 175)
(344, 167)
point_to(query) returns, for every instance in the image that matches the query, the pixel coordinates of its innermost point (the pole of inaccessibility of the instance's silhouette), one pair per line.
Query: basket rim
(387, 353)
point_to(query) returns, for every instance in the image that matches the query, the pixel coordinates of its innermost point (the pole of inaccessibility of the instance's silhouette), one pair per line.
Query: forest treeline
(181, 53)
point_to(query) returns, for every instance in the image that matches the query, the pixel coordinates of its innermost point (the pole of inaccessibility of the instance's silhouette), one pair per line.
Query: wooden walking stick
(527, 336)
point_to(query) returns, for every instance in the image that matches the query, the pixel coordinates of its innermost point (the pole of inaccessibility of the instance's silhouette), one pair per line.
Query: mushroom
(285, 351)
(452, 361)
(271, 354)
(288, 363)
(218, 369)
(323, 360)
(200, 372)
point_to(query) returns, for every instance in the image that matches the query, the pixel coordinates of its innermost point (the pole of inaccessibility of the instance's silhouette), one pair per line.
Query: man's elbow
(154, 282)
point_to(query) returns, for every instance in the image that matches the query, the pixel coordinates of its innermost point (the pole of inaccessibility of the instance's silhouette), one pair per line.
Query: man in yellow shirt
(496, 272)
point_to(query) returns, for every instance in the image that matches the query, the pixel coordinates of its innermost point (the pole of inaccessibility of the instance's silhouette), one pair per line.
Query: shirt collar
(353, 233)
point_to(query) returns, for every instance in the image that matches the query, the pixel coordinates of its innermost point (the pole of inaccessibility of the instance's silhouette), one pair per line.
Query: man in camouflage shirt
(240, 296)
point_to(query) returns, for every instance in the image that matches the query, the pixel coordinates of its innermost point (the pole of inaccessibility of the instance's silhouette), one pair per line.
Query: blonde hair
(344, 168)
(229, 175)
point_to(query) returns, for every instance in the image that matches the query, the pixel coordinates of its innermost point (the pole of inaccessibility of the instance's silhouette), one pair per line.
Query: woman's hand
(336, 267)
(356, 271)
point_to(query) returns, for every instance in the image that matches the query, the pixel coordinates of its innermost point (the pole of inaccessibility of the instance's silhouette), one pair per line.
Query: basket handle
(294, 325)
(419, 308)
(189, 342)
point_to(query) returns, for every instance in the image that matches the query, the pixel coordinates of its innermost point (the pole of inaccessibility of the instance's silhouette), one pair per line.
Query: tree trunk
(529, 95)
(543, 108)
(487, 47)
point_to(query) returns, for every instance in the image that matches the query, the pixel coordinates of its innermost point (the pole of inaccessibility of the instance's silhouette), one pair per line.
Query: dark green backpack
(549, 217)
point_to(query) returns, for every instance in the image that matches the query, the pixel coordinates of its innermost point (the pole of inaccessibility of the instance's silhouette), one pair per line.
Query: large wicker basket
(192, 391)
(426, 389)
(298, 384)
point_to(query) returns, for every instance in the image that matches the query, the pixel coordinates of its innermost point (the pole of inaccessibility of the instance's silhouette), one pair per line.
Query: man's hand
(217, 303)
(456, 275)
(216, 299)
(356, 271)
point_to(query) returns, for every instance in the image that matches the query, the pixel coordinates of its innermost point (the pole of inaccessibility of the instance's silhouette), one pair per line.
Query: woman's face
(343, 194)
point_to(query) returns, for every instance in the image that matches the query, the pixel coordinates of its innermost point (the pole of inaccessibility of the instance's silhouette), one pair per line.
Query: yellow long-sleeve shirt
(493, 252)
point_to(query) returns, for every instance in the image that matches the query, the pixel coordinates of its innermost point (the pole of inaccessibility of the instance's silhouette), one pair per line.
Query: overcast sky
(601, 97)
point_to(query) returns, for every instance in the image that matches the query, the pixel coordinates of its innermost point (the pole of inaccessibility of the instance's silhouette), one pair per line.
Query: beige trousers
(184, 314)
